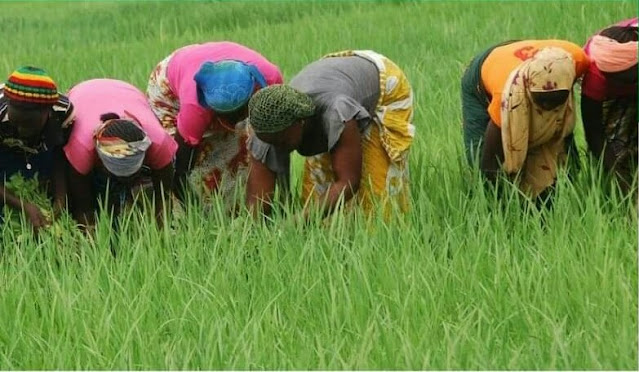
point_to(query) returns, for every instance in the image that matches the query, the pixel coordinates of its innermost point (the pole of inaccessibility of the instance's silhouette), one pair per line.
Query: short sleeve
(341, 110)
(80, 158)
(272, 75)
(162, 152)
(494, 108)
(582, 62)
(276, 160)
(192, 122)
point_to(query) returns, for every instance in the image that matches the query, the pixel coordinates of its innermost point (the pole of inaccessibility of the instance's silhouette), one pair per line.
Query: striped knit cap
(31, 85)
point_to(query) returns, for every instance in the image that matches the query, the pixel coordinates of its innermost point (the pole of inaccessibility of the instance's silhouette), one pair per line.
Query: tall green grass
(462, 282)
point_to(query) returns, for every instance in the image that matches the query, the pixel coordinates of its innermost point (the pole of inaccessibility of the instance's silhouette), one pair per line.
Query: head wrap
(277, 107)
(551, 69)
(533, 138)
(120, 157)
(612, 56)
(31, 85)
(227, 85)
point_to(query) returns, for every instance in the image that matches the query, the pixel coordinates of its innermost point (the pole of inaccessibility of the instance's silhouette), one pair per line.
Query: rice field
(461, 282)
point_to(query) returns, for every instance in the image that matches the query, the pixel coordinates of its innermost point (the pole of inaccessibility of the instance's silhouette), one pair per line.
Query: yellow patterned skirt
(221, 162)
(385, 146)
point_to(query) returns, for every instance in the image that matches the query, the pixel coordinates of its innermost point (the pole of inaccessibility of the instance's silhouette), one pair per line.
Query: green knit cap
(277, 107)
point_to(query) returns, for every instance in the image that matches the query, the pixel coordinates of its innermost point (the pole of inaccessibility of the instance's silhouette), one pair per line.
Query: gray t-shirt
(343, 89)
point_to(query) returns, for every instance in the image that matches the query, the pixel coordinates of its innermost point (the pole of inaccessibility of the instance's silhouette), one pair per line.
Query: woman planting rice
(35, 121)
(116, 144)
(350, 114)
(200, 92)
(518, 110)
(609, 99)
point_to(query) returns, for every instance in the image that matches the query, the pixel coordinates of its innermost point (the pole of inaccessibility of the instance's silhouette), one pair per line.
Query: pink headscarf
(612, 56)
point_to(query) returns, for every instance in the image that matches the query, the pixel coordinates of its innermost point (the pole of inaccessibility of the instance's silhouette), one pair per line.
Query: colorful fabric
(221, 166)
(504, 59)
(533, 139)
(56, 131)
(172, 88)
(221, 162)
(384, 183)
(596, 86)
(120, 157)
(93, 98)
(162, 100)
(31, 85)
(226, 86)
(612, 56)
(396, 99)
(277, 107)
(385, 145)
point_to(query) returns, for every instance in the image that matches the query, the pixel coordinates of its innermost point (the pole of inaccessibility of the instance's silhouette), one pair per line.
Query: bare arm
(162, 186)
(82, 197)
(346, 159)
(184, 159)
(594, 128)
(35, 216)
(592, 117)
(9, 198)
(492, 153)
(260, 187)
(59, 179)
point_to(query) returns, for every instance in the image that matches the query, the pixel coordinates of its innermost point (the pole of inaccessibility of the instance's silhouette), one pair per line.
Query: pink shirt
(594, 84)
(91, 99)
(193, 120)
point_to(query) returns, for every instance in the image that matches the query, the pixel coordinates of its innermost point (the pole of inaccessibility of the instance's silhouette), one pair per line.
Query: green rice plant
(465, 280)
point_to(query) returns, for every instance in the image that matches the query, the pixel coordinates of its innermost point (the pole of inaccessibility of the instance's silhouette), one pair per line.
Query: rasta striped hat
(31, 85)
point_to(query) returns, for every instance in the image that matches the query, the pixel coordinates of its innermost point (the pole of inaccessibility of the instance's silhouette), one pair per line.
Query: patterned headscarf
(227, 85)
(120, 157)
(277, 107)
(31, 85)
(533, 138)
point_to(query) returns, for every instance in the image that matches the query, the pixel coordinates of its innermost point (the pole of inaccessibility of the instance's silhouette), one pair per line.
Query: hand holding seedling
(36, 217)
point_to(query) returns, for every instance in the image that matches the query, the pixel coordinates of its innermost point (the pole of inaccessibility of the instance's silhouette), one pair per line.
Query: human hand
(58, 208)
(37, 219)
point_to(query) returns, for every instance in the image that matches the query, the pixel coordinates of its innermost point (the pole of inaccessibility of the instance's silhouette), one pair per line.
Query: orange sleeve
(582, 63)
(494, 109)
